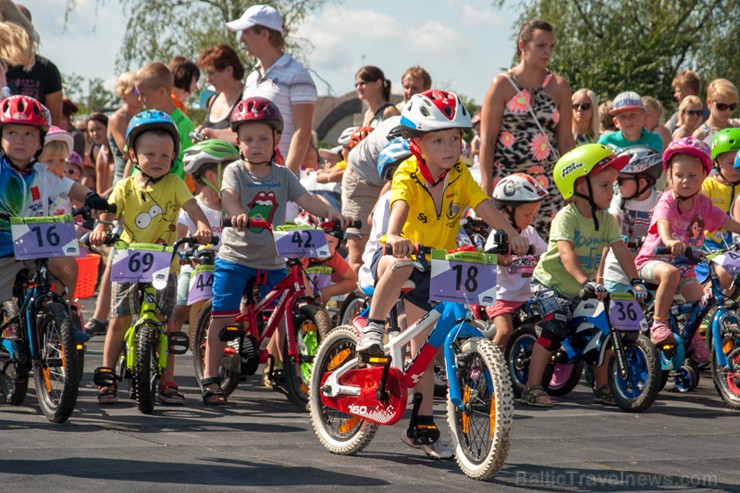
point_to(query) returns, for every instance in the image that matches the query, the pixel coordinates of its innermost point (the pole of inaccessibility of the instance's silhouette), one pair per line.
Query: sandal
(213, 397)
(535, 395)
(95, 327)
(169, 393)
(603, 395)
(107, 394)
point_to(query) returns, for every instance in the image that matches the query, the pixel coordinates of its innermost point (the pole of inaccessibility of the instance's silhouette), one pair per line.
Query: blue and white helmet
(394, 153)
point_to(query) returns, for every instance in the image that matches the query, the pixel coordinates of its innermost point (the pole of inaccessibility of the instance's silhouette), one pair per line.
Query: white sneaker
(439, 450)
(371, 342)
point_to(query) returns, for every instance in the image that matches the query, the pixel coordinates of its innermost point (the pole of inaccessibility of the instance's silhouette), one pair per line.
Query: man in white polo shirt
(279, 78)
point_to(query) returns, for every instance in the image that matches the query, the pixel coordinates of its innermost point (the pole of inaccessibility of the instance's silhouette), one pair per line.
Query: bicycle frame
(448, 317)
(285, 293)
(147, 314)
(37, 293)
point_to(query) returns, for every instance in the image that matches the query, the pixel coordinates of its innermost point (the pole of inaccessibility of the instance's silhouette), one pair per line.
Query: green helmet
(207, 152)
(726, 140)
(583, 161)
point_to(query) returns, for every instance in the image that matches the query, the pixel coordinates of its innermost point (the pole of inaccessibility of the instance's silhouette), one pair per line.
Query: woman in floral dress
(512, 140)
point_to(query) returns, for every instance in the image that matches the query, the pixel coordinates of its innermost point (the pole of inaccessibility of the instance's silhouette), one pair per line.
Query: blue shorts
(229, 281)
(419, 296)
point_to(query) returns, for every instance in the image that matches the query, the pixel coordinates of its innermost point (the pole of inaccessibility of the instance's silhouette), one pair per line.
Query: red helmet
(358, 136)
(24, 110)
(257, 109)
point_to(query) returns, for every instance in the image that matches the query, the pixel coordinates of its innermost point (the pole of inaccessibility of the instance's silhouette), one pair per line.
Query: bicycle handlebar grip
(662, 251)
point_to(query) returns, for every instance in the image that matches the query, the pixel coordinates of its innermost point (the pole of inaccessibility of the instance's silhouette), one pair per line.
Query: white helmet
(346, 135)
(433, 110)
(518, 188)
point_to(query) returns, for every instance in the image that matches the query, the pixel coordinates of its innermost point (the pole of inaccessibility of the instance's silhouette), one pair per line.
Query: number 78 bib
(463, 277)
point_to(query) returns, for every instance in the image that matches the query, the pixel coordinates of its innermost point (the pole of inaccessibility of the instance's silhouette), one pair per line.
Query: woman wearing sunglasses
(585, 117)
(690, 113)
(722, 100)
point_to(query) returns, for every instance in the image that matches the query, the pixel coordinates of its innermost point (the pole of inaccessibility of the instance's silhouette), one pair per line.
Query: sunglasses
(693, 112)
(582, 106)
(622, 179)
(725, 106)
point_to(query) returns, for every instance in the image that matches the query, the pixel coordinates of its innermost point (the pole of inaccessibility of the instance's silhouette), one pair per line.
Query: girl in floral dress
(526, 119)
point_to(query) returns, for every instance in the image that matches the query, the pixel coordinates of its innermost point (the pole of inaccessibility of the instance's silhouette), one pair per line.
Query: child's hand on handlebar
(203, 235)
(677, 246)
(338, 219)
(97, 236)
(240, 222)
(519, 245)
(402, 248)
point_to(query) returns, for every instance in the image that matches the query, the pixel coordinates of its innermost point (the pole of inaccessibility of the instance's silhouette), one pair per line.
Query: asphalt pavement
(684, 442)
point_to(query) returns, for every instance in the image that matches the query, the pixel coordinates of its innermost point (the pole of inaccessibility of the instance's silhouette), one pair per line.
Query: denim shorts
(229, 281)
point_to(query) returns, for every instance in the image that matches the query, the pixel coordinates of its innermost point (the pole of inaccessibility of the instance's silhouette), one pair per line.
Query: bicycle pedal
(230, 333)
(178, 343)
(370, 359)
(104, 376)
(423, 434)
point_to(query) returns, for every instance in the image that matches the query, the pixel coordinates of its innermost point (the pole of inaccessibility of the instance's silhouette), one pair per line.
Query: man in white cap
(279, 78)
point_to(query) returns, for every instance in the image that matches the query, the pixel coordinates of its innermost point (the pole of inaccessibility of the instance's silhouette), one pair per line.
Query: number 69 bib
(141, 262)
(463, 277)
(44, 237)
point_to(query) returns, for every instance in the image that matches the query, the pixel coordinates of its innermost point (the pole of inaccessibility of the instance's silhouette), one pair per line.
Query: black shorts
(419, 296)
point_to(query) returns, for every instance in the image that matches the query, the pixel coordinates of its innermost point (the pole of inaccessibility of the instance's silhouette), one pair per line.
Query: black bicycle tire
(295, 385)
(56, 410)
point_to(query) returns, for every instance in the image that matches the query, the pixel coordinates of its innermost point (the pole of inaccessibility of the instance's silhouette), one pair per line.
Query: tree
(611, 46)
(89, 94)
(161, 29)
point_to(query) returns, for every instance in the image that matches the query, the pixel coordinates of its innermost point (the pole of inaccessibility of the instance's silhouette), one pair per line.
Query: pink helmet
(691, 146)
(56, 133)
(257, 109)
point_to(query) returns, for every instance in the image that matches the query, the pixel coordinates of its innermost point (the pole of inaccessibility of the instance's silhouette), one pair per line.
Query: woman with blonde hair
(585, 117)
(654, 120)
(119, 122)
(690, 112)
(722, 100)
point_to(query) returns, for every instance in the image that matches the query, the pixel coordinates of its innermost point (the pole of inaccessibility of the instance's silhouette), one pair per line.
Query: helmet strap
(207, 182)
(590, 199)
(511, 210)
(414, 148)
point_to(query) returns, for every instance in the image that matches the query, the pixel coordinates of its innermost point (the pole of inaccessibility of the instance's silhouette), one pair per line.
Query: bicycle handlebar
(690, 254)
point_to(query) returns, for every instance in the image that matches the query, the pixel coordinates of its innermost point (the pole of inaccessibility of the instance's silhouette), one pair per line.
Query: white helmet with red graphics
(434, 110)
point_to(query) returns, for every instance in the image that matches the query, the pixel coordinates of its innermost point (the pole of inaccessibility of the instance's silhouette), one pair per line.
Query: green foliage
(89, 94)
(161, 29)
(611, 46)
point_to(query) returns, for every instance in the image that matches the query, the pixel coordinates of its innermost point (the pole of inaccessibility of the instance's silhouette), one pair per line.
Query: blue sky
(462, 43)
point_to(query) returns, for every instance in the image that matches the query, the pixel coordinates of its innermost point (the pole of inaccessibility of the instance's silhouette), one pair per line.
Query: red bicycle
(307, 325)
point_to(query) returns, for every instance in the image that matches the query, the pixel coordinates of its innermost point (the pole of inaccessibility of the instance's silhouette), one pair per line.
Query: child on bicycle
(253, 188)
(149, 204)
(205, 162)
(628, 114)
(578, 235)
(27, 187)
(429, 193)
(331, 276)
(519, 196)
(679, 221)
(391, 156)
(632, 207)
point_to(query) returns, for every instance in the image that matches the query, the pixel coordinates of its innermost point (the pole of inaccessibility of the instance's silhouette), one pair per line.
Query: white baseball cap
(257, 15)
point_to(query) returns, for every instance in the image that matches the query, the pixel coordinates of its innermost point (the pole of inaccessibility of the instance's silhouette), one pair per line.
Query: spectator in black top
(42, 82)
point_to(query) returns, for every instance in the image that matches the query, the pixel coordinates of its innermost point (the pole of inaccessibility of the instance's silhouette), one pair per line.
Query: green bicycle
(147, 343)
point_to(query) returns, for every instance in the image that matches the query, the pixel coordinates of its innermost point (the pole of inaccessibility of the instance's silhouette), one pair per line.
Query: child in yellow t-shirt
(429, 193)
